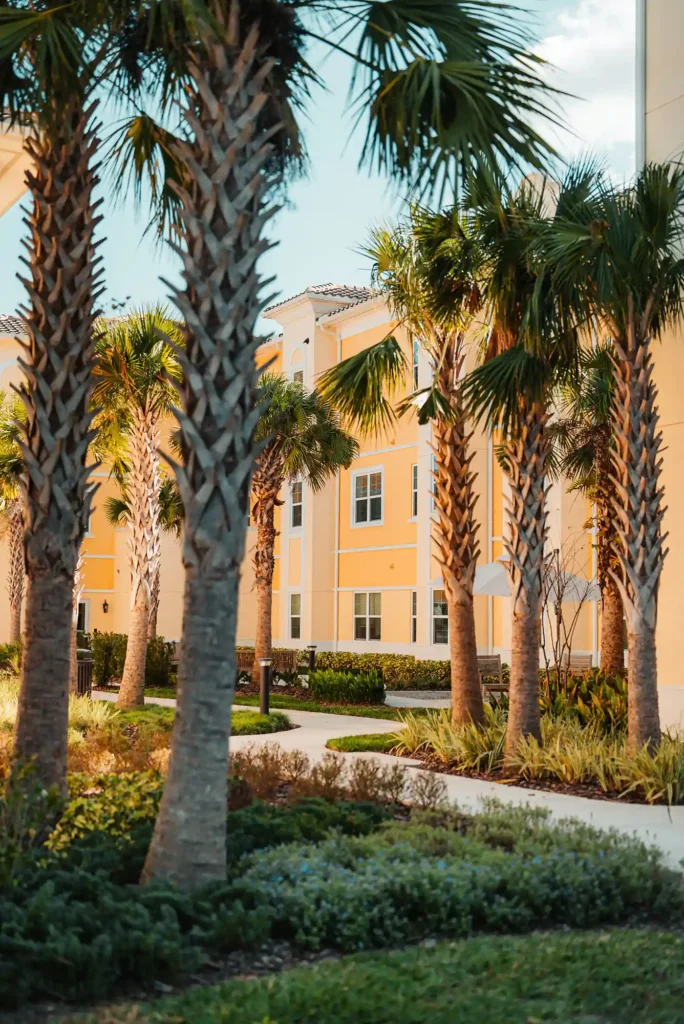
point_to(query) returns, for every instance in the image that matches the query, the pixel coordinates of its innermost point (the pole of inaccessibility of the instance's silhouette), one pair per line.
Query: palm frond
(498, 391)
(360, 387)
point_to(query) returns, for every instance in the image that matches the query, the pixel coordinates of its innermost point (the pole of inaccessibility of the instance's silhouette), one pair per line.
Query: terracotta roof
(329, 290)
(11, 325)
(350, 305)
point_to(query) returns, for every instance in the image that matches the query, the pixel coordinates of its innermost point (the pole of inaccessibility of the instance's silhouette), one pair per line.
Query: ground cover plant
(319, 857)
(605, 976)
(583, 758)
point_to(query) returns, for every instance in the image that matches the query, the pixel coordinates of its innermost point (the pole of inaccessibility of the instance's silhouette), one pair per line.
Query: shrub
(109, 656)
(399, 671)
(347, 687)
(10, 658)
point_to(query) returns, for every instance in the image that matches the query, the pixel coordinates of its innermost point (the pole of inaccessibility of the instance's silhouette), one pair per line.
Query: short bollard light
(265, 685)
(311, 648)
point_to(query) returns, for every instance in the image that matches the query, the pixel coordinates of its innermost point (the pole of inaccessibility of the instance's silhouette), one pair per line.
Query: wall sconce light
(105, 606)
(307, 340)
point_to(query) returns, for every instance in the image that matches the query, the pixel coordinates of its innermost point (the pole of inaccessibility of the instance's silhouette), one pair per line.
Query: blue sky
(328, 214)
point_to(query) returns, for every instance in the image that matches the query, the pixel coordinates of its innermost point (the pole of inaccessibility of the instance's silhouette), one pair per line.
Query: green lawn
(245, 723)
(357, 710)
(379, 742)
(611, 977)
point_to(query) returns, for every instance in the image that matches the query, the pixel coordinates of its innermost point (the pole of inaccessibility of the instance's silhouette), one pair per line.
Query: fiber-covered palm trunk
(224, 213)
(15, 575)
(266, 486)
(455, 535)
(154, 605)
(612, 613)
(142, 486)
(639, 507)
(527, 530)
(63, 289)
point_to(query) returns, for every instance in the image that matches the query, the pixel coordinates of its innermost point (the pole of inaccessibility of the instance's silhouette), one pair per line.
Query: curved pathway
(659, 826)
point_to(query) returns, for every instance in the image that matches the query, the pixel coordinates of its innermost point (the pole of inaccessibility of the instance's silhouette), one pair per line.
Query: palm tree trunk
(142, 486)
(15, 577)
(224, 213)
(64, 286)
(266, 485)
(154, 605)
(612, 631)
(527, 515)
(455, 535)
(640, 511)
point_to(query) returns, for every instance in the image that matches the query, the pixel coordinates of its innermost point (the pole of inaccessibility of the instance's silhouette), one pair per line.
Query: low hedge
(347, 687)
(399, 671)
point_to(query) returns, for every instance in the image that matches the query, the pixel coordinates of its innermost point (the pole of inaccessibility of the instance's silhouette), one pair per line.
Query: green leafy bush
(10, 658)
(399, 671)
(109, 656)
(347, 687)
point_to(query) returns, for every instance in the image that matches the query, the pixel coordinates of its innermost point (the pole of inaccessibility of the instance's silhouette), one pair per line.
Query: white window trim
(298, 368)
(433, 642)
(294, 593)
(368, 616)
(413, 635)
(86, 614)
(415, 363)
(89, 531)
(291, 506)
(366, 471)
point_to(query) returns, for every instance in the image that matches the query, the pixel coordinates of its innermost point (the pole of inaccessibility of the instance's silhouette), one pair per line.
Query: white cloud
(592, 49)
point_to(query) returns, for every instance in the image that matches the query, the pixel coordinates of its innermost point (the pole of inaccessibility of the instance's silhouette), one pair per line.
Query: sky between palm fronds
(591, 42)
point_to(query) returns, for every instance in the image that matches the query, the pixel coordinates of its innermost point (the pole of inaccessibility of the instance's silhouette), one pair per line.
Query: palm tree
(628, 257)
(583, 436)
(532, 348)
(171, 515)
(447, 86)
(11, 505)
(49, 52)
(428, 268)
(135, 372)
(302, 441)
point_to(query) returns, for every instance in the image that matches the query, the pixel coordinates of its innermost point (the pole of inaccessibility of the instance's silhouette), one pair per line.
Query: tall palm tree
(302, 440)
(171, 515)
(446, 86)
(49, 55)
(136, 374)
(532, 348)
(11, 504)
(628, 256)
(428, 268)
(583, 436)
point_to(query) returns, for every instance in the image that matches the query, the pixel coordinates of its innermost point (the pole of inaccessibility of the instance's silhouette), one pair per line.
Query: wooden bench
(490, 665)
(283, 661)
(579, 662)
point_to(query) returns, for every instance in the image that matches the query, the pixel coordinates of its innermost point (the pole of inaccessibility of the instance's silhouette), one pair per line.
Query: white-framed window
(367, 497)
(367, 616)
(414, 491)
(296, 504)
(89, 531)
(295, 616)
(415, 355)
(414, 617)
(298, 377)
(83, 619)
(440, 618)
(433, 486)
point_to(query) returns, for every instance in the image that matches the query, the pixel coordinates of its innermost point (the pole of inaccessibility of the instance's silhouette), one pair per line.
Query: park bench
(489, 665)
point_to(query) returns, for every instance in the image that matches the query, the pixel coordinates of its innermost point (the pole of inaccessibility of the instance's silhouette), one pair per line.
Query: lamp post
(311, 648)
(265, 684)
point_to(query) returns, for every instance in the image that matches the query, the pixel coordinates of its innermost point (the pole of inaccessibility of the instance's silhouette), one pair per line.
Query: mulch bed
(589, 790)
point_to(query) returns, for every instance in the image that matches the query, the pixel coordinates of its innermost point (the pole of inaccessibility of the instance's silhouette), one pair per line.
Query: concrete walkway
(658, 826)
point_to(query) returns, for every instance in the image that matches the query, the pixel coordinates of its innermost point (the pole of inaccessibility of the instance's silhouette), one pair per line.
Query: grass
(608, 977)
(378, 742)
(356, 710)
(245, 723)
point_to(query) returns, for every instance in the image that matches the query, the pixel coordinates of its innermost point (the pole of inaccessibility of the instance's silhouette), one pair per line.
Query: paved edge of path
(656, 825)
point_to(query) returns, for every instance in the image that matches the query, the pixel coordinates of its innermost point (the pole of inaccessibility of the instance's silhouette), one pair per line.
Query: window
(298, 377)
(89, 531)
(82, 620)
(414, 492)
(368, 498)
(295, 616)
(415, 355)
(367, 612)
(414, 617)
(440, 618)
(296, 504)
